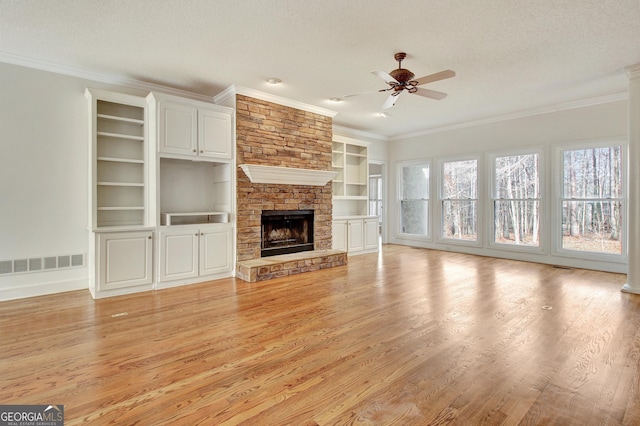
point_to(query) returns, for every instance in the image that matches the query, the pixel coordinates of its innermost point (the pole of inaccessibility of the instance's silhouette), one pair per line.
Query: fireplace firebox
(286, 231)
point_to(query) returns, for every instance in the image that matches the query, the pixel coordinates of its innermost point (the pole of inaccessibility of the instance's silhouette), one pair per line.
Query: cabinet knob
(149, 237)
(194, 150)
(201, 151)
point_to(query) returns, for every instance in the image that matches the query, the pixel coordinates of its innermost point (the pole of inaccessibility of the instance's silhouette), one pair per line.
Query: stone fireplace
(271, 134)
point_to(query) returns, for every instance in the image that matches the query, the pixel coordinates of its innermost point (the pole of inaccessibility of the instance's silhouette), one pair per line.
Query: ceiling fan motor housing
(402, 75)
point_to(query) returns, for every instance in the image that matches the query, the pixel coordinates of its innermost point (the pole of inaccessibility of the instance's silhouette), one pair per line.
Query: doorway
(376, 204)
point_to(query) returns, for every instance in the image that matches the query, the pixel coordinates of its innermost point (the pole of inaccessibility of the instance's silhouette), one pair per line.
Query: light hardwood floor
(407, 337)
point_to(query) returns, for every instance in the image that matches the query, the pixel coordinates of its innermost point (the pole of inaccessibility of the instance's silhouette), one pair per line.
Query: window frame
(439, 216)
(399, 168)
(558, 199)
(542, 246)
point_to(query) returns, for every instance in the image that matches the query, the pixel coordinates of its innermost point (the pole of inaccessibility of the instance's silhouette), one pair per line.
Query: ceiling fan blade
(435, 77)
(362, 93)
(385, 77)
(427, 93)
(390, 101)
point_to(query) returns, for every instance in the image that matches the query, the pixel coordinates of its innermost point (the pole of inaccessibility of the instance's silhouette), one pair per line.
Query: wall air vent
(39, 264)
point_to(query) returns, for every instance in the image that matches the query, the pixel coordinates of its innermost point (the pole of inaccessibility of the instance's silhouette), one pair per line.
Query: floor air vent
(35, 264)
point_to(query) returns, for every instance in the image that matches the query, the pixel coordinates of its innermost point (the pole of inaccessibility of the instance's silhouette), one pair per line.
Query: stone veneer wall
(276, 135)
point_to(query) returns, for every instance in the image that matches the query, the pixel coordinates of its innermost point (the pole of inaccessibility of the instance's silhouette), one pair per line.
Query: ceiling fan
(401, 79)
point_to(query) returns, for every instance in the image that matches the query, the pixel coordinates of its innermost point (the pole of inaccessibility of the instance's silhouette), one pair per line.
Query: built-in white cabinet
(371, 233)
(188, 252)
(160, 165)
(191, 128)
(194, 189)
(339, 234)
(356, 235)
(123, 260)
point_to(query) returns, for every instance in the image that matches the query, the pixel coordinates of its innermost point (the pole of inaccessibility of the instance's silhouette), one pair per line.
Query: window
(592, 200)
(460, 200)
(414, 199)
(516, 200)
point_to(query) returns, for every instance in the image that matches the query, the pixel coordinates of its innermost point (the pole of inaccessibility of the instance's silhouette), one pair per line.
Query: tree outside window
(516, 200)
(414, 200)
(460, 200)
(592, 200)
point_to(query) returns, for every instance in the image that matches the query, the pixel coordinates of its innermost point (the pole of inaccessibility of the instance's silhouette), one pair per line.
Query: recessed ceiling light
(274, 80)
(384, 114)
(336, 100)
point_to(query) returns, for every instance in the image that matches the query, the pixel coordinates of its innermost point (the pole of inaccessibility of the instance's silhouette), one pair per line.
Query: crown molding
(106, 78)
(349, 132)
(633, 71)
(519, 114)
(234, 90)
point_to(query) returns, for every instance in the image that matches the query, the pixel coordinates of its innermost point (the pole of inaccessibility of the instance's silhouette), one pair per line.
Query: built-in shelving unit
(120, 257)
(352, 229)
(356, 171)
(350, 187)
(119, 160)
(337, 165)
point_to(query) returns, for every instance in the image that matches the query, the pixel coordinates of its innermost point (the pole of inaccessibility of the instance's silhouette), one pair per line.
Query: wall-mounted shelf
(287, 175)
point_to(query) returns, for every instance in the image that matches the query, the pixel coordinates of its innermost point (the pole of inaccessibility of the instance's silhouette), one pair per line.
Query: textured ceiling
(509, 55)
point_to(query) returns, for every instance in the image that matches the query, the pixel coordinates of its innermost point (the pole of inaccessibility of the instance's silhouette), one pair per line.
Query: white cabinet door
(214, 134)
(371, 233)
(356, 235)
(215, 251)
(124, 259)
(339, 234)
(178, 130)
(178, 254)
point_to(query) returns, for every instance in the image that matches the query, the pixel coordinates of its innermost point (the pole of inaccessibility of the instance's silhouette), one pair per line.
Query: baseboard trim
(43, 289)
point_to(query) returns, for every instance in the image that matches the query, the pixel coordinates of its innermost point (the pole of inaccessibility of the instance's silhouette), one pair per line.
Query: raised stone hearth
(282, 265)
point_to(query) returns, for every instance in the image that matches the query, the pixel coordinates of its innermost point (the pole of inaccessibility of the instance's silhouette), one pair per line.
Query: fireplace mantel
(287, 175)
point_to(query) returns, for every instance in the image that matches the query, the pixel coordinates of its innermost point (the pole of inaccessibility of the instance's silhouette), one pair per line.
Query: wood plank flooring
(406, 337)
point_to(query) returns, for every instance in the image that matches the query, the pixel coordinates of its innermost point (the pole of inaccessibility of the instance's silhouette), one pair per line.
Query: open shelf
(192, 218)
(194, 192)
(119, 160)
(350, 187)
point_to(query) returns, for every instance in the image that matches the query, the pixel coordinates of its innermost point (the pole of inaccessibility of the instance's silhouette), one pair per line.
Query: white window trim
(542, 247)
(399, 179)
(480, 194)
(557, 194)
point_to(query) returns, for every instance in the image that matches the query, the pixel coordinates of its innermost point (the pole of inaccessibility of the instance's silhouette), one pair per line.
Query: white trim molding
(234, 90)
(521, 114)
